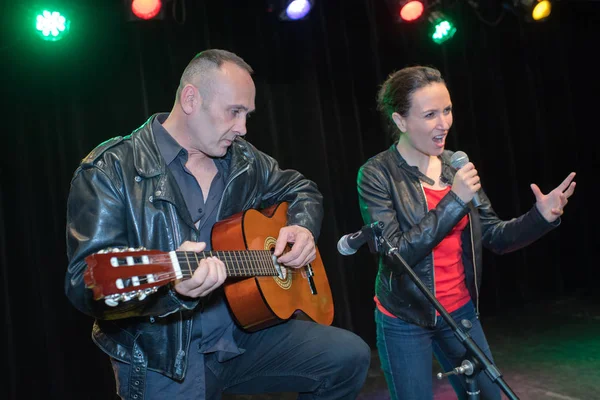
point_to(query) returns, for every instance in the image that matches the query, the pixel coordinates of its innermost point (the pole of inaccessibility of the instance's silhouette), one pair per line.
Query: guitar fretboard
(242, 263)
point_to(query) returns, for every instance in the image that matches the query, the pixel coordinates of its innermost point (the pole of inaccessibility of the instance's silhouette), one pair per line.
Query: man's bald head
(200, 69)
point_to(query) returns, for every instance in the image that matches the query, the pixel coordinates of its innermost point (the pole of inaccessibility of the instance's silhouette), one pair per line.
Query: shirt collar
(168, 146)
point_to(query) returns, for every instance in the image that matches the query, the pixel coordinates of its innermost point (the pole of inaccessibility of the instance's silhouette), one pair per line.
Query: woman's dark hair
(396, 93)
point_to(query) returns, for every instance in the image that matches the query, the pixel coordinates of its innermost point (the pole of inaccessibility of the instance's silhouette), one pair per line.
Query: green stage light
(52, 25)
(441, 27)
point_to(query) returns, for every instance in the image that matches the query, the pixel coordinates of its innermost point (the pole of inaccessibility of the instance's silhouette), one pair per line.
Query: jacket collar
(149, 162)
(447, 170)
(147, 159)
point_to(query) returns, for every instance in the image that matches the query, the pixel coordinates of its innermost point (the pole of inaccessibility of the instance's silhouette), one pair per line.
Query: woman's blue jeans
(405, 351)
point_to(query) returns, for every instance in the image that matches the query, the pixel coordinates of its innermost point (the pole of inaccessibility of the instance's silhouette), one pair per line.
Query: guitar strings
(186, 274)
(165, 277)
(240, 258)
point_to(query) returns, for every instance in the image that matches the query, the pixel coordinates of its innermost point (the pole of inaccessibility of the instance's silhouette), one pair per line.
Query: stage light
(52, 25)
(144, 9)
(294, 10)
(407, 10)
(533, 10)
(411, 10)
(541, 10)
(441, 27)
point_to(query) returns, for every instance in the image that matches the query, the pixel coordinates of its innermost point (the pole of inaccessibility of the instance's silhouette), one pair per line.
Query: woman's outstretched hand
(551, 205)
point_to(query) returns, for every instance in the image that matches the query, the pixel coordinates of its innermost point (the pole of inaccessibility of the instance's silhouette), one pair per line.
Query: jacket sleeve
(502, 237)
(303, 196)
(97, 220)
(377, 204)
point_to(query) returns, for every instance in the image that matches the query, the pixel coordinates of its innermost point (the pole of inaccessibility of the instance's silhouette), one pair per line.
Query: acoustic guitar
(259, 291)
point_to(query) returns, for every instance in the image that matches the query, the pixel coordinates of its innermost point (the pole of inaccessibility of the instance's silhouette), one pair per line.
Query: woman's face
(428, 121)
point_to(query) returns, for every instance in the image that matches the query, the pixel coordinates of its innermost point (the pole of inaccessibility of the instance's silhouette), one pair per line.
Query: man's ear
(189, 98)
(399, 121)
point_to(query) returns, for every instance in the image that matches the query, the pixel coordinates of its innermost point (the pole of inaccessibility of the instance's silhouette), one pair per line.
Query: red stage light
(146, 9)
(411, 10)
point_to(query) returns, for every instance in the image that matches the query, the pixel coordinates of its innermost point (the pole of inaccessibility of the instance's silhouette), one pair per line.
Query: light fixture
(52, 25)
(441, 28)
(534, 10)
(294, 10)
(144, 10)
(407, 10)
(541, 10)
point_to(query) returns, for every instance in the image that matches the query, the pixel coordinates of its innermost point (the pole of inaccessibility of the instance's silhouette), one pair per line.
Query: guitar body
(260, 302)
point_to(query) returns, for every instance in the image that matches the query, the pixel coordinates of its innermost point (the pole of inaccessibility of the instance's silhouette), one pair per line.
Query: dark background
(525, 109)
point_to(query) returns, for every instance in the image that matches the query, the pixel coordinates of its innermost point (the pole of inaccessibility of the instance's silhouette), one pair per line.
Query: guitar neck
(242, 263)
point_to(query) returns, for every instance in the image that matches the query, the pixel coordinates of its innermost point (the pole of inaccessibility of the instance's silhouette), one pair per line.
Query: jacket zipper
(226, 186)
(474, 267)
(432, 259)
(176, 235)
(179, 365)
(181, 351)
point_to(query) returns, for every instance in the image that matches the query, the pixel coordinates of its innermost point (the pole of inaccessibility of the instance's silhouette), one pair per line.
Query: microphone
(348, 244)
(458, 160)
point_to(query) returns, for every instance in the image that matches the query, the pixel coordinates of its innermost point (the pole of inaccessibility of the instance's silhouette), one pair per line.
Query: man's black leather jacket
(390, 191)
(123, 195)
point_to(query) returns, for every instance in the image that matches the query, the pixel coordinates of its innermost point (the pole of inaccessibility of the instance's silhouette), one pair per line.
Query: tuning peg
(112, 301)
(127, 296)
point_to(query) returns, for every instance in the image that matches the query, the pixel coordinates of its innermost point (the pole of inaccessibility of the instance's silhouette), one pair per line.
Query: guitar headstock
(117, 275)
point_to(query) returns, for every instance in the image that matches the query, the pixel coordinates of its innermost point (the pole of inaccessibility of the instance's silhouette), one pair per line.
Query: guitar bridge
(309, 277)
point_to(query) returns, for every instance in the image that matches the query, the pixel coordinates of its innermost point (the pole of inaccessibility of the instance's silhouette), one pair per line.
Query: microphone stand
(476, 360)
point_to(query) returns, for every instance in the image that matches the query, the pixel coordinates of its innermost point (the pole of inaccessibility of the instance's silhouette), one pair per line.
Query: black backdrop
(525, 110)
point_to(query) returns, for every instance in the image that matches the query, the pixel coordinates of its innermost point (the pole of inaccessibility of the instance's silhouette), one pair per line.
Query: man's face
(221, 116)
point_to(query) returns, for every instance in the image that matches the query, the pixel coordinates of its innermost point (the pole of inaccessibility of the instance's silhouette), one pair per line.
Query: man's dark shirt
(212, 321)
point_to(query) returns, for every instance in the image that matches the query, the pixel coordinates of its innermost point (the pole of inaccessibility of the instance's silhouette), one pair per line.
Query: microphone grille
(459, 159)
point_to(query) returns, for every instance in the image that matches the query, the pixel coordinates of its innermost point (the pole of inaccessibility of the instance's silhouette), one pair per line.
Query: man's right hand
(209, 275)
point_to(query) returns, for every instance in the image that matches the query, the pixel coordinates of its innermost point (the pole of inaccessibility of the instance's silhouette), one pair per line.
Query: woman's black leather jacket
(390, 191)
(123, 195)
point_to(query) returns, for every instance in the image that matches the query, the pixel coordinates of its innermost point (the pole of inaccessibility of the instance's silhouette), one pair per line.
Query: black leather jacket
(390, 191)
(123, 195)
